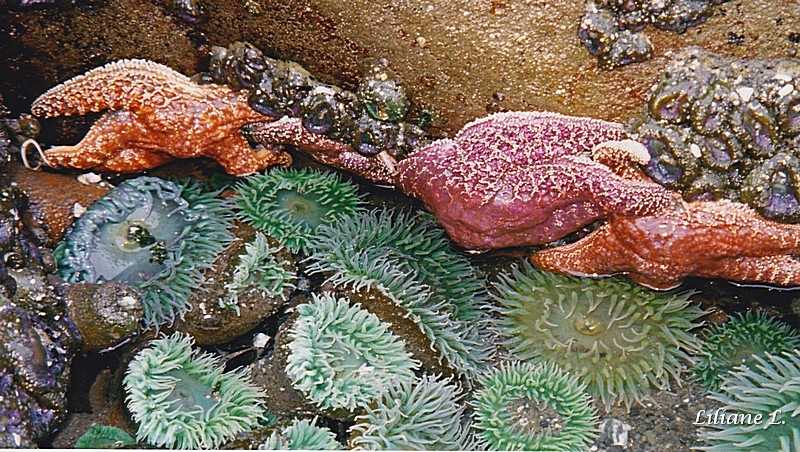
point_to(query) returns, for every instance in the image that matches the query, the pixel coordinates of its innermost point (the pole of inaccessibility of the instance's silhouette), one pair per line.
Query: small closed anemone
(737, 341)
(620, 339)
(341, 356)
(154, 235)
(259, 267)
(523, 406)
(185, 400)
(423, 414)
(761, 407)
(302, 435)
(290, 205)
(410, 261)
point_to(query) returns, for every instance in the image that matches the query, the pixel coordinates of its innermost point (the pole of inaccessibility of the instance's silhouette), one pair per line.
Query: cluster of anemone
(618, 338)
(737, 342)
(158, 237)
(420, 414)
(727, 128)
(290, 205)
(183, 399)
(341, 356)
(302, 435)
(259, 267)
(370, 119)
(409, 260)
(761, 407)
(523, 406)
(612, 29)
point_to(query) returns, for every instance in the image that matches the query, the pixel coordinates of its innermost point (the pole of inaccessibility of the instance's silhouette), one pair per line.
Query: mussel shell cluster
(612, 30)
(727, 128)
(369, 119)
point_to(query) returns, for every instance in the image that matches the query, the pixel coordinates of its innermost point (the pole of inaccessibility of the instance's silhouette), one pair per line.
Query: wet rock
(55, 199)
(105, 314)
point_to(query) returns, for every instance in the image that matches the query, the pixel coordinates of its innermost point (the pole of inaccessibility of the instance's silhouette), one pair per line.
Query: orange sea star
(157, 114)
(714, 239)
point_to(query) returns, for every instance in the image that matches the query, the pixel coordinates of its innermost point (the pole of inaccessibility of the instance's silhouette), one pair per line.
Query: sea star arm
(103, 140)
(121, 85)
(236, 156)
(134, 160)
(290, 131)
(782, 270)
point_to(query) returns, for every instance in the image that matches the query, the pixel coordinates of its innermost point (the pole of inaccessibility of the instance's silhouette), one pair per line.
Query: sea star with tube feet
(713, 239)
(157, 115)
(525, 178)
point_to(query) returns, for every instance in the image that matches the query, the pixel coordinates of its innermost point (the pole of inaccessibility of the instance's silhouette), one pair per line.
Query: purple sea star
(525, 178)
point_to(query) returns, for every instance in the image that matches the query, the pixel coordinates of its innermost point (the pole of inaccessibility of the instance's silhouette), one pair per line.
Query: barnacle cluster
(290, 205)
(523, 406)
(411, 262)
(612, 30)
(370, 120)
(302, 434)
(760, 407)
(737, 341)
(154, 235)
(727, 128)
(342, 356)
(419, 414)
(620, 339)
(183, 399)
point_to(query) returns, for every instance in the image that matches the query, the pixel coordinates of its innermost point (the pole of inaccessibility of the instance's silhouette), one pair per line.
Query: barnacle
(421, 414)
(412, 263)
(763, 401)
(617, 337)
(290, 204)
(302, 435)
(523, 406)
(183, 399)
(154, 235)
(737, 341)
(341, 356)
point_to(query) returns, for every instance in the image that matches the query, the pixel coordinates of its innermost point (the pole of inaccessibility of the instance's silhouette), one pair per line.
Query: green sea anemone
(104, 437)
(156, 236)
(420, 414)
(259, 267)
(302, 435)
(620, 339)
(736, 341)
(761, 407)
(184, 400)
(523, 406)
(341, 356)
(410, 261)
(291, 204)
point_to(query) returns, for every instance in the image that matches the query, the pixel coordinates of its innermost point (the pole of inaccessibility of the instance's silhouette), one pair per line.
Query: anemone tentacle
(184, 399)
(157, 236)
(411, 261)
(619, 338)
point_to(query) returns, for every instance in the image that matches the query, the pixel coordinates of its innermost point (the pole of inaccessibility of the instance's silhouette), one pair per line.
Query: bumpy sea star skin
(157, 115)
(713, 239)
(522, 178)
